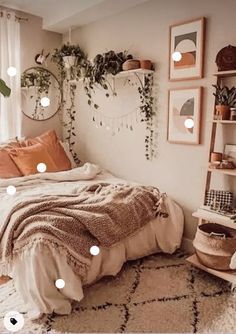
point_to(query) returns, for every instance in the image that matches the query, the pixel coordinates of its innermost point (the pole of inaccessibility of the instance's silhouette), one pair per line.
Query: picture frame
(186, 40)
(230, 152)
(184, 115)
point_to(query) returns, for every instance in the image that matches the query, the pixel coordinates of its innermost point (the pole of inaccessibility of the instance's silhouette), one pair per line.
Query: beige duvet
(36, 269)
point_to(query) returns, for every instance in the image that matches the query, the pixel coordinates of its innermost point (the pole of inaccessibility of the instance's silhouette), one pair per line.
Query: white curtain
(10, 108)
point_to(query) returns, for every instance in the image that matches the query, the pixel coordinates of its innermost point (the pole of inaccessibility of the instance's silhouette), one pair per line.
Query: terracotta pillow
(55, 150)
(8, 168)
(27, 159)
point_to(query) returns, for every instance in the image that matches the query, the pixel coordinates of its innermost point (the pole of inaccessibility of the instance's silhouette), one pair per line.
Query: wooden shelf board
(230, 172)
(131, 72)
(225, 73)
(226, 275)
(122, 74)
(224, 122)
(214, 218)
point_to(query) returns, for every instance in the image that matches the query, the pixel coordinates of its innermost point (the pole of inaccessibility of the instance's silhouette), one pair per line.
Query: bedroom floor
(160, 293)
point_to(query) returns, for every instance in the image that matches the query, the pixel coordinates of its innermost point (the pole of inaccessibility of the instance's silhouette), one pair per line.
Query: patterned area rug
(160, 293)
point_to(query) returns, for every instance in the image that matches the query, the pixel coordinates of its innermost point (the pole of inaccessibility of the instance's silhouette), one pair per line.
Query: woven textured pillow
(54, 148)
(27, 159)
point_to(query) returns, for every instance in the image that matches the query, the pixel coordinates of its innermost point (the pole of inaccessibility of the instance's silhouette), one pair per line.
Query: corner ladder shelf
(204, 215)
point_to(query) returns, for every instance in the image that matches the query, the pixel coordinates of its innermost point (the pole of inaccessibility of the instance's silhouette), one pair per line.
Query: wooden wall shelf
(224, 122)
(225, 74)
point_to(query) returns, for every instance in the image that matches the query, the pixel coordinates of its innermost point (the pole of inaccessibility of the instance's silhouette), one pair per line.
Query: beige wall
(33, 40)
(179, 170)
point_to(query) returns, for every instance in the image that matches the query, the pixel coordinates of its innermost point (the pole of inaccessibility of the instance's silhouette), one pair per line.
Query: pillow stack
(20, 158)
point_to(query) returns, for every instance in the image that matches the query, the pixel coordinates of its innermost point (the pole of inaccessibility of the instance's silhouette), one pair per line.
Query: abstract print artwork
(186, 50)
(184, 115)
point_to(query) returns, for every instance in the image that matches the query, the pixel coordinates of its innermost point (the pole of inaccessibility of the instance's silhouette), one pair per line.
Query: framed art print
(186, 50)
(184, 115)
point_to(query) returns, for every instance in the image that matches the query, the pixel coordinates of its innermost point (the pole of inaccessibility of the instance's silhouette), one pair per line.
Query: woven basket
(215, 245)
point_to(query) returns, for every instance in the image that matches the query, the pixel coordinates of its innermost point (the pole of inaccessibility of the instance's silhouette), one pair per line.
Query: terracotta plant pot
(223, 111)
(216, 156)
(131, 64)
(146, 64)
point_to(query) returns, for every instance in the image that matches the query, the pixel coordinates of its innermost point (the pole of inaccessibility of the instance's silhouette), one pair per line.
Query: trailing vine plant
(70, 126)
(148, 113)
(95, 74)
(41, 81)
(66, 75)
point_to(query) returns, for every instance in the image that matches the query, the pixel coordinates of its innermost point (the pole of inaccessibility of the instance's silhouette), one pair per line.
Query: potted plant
(4, 89)
(225, 99)
(96, 72)
(68, 55)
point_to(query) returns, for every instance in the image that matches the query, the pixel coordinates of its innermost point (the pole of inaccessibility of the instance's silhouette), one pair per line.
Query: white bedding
(36, 270)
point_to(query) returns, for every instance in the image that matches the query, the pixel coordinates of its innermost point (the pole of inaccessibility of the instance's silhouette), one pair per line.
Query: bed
(37, 268)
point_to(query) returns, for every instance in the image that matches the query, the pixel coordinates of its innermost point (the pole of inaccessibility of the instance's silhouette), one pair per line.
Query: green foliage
(40, 79)
(147, 112)
(70, 50)
(225, 96)
(70, 127)
(96, 72)
(4, 89)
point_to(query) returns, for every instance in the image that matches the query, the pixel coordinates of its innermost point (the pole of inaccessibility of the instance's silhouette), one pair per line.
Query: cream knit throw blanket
(99, 214)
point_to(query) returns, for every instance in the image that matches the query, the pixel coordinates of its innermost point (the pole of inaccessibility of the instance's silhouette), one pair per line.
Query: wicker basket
(215, 245)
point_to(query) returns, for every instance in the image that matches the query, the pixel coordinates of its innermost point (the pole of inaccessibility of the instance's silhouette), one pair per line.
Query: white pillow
(66, 147)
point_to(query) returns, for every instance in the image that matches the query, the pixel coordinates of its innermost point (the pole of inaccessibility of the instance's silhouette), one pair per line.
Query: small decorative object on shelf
(216, 157)
(219, 199)
(131, 64)
(225, 99)
(224, 164)
(233, 114)
(146, 64)
(226, 58)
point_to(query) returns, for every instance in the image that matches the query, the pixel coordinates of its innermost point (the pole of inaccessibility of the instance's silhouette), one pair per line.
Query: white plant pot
(69, 61)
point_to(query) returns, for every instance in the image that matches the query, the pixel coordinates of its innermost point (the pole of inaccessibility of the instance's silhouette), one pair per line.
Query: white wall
(179, 170)
(33, 40)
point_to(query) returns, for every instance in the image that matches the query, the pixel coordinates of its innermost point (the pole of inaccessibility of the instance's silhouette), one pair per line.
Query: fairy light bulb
(189, 123)
(11, 190)
(94, 250)
(41, 167)
(11, 71)
(176, 56)
(45, 102)
(60, 283)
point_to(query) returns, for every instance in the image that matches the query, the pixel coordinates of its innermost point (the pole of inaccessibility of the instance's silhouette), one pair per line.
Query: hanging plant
(69, 125)
(71, 62)
(147, 113)
(70, 58)
(41, 81)
(96, 73)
